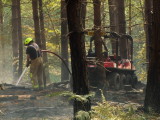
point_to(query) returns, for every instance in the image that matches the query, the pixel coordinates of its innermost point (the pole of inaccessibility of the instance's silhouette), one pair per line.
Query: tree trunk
(98, 45)
(130, 17)
(15, 38)
(78, 56)
(122, 29)
(19, 38)
(148, 29)
(1, 17)
(83, 5)
(97, 27)
(113, 21)
(64, 42)
(2, 39)
(36, 22)
(46, 78)
(152, 97)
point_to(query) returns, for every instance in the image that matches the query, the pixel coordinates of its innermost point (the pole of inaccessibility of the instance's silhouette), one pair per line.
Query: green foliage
(141, 63)
(82, 98)
(54, 4)
(82, 115)
(6, 1)
(55, 94)
(107, 111)
(138, 34)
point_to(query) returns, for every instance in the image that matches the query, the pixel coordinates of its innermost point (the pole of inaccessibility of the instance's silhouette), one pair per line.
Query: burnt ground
(22, 103)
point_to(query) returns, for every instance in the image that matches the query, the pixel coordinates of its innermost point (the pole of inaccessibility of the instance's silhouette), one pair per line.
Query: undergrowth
(107, 111)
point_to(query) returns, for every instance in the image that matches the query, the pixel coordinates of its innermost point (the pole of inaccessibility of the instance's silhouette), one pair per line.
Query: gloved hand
(28, 63)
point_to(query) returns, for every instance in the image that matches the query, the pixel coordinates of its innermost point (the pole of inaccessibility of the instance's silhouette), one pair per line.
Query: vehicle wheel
(128, 79)
(134, 80)
(114, 81)
(71, 82)
(122, 80)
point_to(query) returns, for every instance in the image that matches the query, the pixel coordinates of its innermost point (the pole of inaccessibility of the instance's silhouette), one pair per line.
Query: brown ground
(20, 103)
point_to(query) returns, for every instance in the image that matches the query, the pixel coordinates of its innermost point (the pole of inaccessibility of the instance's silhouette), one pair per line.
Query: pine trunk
(15, 41)
(98, 45)
(148, 29)
(46, 77)
(122, 29)
(64, 42)
(36, 22)
(152, 97)
(2, 40)
(78, 56)
(113, 21)
(20, 38)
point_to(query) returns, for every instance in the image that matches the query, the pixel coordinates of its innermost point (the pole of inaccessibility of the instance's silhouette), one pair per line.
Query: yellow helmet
(27, 41)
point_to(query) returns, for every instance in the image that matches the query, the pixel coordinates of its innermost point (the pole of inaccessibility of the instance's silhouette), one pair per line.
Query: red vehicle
(119, 71)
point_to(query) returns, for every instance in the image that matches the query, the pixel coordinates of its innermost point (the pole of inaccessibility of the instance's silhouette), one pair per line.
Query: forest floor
(22, 103)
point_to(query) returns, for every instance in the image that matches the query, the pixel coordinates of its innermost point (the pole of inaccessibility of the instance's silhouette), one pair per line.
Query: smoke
(6, 64)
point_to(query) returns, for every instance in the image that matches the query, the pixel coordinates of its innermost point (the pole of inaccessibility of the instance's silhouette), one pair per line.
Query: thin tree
(36, 22)
(19, 30)
(98, 45)
(113, 14)
(130, 17)
(152, 97)
(84, 10)
(43, 40)
(148, 27)
(78, 55)
(15, 39)
(122, 28)
(2, 38)
(64, 42)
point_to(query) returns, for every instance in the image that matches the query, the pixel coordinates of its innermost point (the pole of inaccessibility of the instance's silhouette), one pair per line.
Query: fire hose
(60, 58)
(47, 51)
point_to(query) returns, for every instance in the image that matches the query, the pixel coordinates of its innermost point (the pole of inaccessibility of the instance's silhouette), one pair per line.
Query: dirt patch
(20, 103)
(33, 105)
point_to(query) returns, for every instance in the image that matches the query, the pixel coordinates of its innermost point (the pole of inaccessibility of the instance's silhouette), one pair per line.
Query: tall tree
(113, 21)
(130, 17)
(36, 22)
(98, 44)
(84, 10)
(152, 97)
(64, 42)
(122, 28)
(148, 27)
(43, 40)
(19, 30)
(78, 56)
(2, 38)
(1, 17)
(15, 38)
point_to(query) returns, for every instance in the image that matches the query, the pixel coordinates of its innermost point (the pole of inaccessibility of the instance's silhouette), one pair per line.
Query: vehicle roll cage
(117, 37)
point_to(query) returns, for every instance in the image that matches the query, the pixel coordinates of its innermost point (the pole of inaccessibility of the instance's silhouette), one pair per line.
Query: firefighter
(34, 59)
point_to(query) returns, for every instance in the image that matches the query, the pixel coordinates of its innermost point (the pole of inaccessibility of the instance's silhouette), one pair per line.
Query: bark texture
(113, 21)
(15, 41)
(46, 77)
(36, 22)
(152, 97)
(122, 28)
(148, 27)
(98, 46)
(2, 40)
(19, 30)
(64, 42)
(78, 55)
